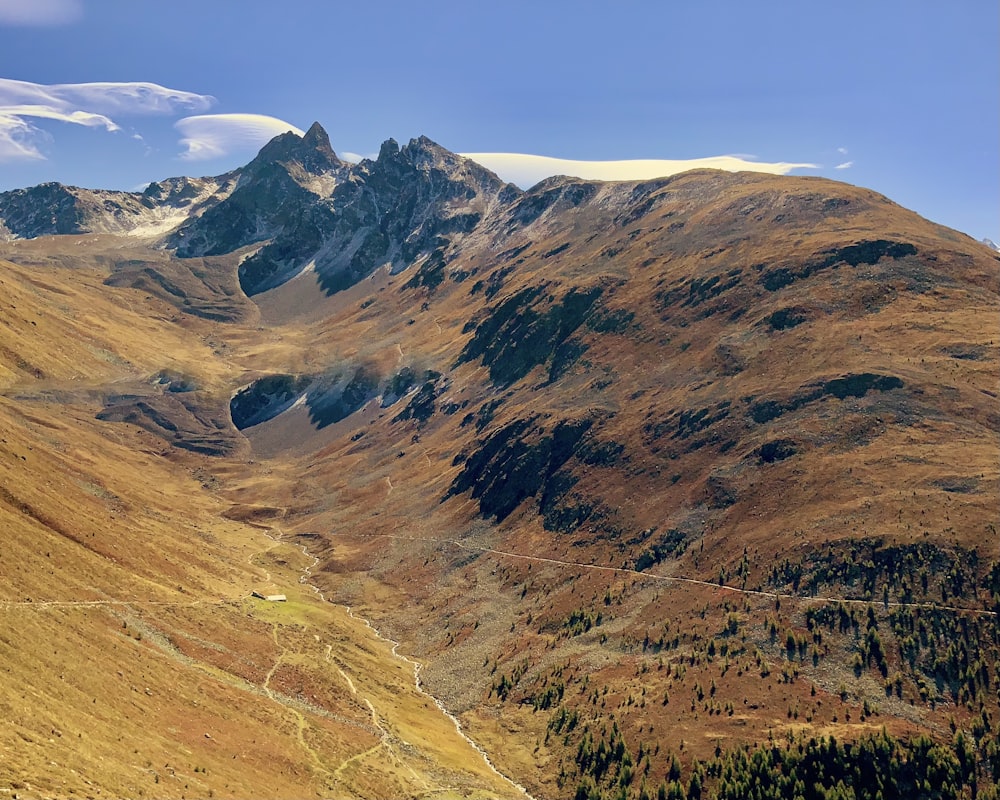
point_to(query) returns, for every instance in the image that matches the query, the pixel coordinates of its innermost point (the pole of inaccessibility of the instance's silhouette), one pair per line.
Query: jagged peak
(423, 145)
(389, 149)
(318, 139)
(312, 150)
(424, 142)
(316, 134)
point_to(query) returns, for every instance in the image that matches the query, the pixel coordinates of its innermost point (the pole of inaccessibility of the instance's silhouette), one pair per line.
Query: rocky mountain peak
(288, 176)
(49, 208)
(426, 145)
(407, 204)
(311, 154)
(423, 150)
(446, 174)
(389, 149)
(317, 138)
(56, 209)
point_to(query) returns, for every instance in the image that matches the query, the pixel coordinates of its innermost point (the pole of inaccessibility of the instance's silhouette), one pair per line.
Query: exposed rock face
(274, 190)
(523, 460)
(309, 208)
(52, 208)
(49, 208)
(288, 173)
(329, 398)
(264, 399)
(529, 329)
(408, 204)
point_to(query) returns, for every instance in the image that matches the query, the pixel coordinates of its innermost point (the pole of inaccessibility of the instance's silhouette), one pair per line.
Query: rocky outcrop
(264, 399)
(409, 203)
(528, 329)
(518, 461)
(330, 397)
(866, 252)
(272, 194)
(851, 385)
(55, 209)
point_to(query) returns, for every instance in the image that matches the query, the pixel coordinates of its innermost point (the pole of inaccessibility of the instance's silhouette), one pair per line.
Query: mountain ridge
(594, 453)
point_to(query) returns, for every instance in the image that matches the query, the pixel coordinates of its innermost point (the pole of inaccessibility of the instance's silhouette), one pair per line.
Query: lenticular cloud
(132, 98)
(213, 135)
(87, 104)
(527, 170)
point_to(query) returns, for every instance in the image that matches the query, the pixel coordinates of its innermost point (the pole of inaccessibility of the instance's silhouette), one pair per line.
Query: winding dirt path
(304, 579)
(798, 598)
(387, 740)
(301, 723)
(417, 667)
(8, 605)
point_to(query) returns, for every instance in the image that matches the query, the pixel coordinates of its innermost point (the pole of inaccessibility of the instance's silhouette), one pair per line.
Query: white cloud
(16, 140)
(842, 151)
(526, 170)
(86, 104)
(845, 165)
(86, 118)
(132, 98)
(110, 98)
(40, 12)
(355, 158)
(213, 135)
(19, 138)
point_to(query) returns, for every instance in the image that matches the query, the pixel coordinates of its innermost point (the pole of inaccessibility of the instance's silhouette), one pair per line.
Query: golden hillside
(645, 477)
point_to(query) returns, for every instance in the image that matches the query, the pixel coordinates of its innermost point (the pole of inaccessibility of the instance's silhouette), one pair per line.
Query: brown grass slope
(665, 468)
(135, 662)
(786, 386)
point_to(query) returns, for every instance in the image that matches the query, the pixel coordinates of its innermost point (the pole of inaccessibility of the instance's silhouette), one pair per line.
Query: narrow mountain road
(8, 605)
(649, 576)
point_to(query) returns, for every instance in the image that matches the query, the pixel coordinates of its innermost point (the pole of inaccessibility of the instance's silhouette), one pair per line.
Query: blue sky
(901, 97)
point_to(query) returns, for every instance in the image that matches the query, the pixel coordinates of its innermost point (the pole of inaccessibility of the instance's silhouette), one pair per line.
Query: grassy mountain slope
(644, 474)
(779, 385)
(136, 663)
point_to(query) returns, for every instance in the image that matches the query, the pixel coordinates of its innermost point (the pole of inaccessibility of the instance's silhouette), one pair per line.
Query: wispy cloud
(110, 98)
(40, 12)
(132, 98)
(842, 151)
(526, 170)
(214, 135)
(16, 140)
(845, 165)
(86, 104)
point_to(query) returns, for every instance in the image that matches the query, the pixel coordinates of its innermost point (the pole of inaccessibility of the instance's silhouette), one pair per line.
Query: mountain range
(672, 488)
